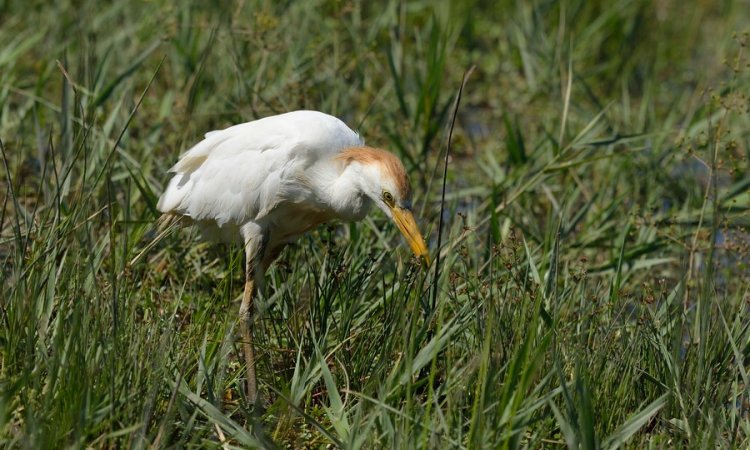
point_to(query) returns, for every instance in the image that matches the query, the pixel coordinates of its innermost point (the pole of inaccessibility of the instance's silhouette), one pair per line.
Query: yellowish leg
(246, 317)
(255, 248)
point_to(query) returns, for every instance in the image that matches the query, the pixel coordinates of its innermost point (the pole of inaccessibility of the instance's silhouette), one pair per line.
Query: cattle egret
(264, 183)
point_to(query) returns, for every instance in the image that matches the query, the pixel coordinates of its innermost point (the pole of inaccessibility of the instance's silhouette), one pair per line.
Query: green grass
(593, 287)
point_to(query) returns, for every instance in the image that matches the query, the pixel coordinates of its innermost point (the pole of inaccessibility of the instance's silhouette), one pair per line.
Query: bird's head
(385, 183)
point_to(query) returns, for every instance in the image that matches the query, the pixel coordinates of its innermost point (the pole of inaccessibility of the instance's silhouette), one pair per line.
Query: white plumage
(243, 172)
(264, 183)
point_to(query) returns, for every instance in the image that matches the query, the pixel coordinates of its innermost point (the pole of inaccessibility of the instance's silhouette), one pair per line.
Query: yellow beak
(408, 227)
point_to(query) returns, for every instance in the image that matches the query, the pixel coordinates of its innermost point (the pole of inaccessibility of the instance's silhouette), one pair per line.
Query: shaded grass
(593, 286)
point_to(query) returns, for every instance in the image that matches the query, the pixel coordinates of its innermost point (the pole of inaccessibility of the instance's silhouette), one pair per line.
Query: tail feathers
(168, 221)
(164, 225)
(175, 193)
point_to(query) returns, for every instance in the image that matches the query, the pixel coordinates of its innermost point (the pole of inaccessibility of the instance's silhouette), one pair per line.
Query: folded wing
(240, 173)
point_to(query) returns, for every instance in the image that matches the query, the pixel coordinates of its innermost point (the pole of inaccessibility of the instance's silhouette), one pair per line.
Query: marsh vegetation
(593, 284)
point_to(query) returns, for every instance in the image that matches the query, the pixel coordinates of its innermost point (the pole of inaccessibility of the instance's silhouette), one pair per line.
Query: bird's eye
(388, 198)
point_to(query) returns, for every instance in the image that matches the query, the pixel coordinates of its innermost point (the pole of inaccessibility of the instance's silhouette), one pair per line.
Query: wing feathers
(242, 173)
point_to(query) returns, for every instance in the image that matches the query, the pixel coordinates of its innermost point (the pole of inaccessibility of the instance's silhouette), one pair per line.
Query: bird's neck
(345, 195)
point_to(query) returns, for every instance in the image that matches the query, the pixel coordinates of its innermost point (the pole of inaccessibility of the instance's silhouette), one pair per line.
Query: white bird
(266, 182)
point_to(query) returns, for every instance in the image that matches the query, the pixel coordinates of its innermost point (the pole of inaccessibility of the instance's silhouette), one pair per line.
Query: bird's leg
(246, 317)
(255, 247)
